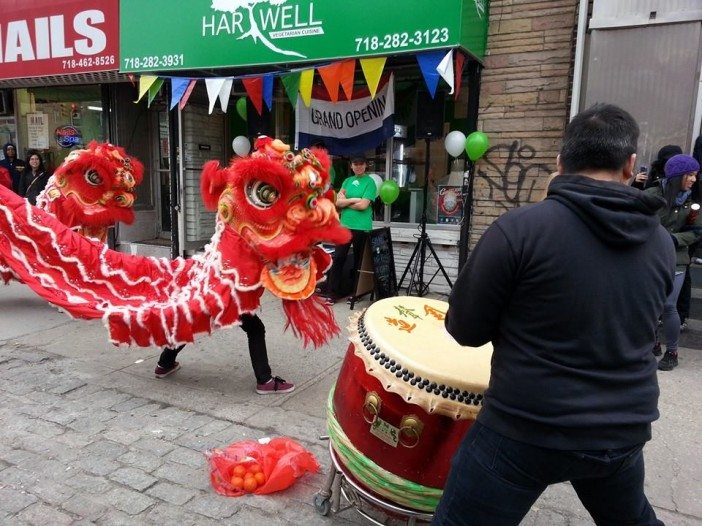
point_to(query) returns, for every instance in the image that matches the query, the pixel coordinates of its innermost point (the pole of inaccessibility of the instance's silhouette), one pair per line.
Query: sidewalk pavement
(89, 436)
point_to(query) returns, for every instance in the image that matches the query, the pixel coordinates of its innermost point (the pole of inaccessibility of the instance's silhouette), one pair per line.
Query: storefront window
(406, 163)
(56, 120)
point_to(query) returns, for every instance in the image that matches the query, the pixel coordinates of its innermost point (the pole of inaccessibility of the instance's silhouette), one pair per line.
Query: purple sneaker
(275, 385)
(162, 372)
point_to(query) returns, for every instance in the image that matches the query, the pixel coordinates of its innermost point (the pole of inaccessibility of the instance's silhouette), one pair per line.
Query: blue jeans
(494, 480)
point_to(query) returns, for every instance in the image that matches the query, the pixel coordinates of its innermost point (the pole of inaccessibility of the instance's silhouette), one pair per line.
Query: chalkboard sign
(383, 258)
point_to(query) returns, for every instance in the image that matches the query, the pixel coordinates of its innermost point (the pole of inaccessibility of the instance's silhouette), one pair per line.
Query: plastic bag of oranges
(258, 467)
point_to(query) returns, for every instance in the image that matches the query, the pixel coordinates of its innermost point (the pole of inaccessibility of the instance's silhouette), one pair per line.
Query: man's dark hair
(602, 137)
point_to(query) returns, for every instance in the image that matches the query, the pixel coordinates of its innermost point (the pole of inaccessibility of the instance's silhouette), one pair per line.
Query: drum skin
(428, 462)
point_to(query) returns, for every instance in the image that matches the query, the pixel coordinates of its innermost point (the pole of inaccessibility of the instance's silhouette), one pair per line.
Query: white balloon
(455, 143)
(378, 181)
(241, 146)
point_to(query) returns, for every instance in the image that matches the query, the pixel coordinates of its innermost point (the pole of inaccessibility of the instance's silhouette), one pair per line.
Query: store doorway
(163, 170)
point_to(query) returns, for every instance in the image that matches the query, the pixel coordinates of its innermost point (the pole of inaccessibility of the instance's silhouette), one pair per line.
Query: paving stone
(75, 439)
(51, 492)
(155, 446)
(128, 501)
(104, 399)
(39, 514)
(122, 436)
(183, 455)
(87, 425)
(89, 508)
(129, 404)
(105, 449)
(17, 456)
(132, 477)
(97, 466)
(116, 518)
(17, 478)
(214, 506)
(172, 493)
(143, 460)
(67, 386)
(86, 483)
(14, 501)
(167, 515)
(183, 475)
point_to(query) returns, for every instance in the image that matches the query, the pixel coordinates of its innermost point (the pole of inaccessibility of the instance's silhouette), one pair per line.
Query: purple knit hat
(680, 164)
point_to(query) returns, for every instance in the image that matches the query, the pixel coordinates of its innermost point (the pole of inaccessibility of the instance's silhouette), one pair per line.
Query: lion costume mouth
(292, 277)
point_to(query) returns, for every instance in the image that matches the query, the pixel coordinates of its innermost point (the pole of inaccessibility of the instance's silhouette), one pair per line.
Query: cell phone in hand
(643, 169)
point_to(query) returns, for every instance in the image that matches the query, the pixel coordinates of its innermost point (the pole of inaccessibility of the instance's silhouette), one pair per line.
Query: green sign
(162, 35)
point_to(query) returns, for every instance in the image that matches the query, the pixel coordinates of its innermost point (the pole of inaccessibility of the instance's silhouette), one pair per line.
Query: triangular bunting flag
(306, 80)
(214, 86)
(330, 77)
(268, 91)
(372, 70)
(178, 87)
(445, 69)
(428, 63)
(224, 93)
(458, 71)
(254, 89)
(153, 90)
(186, 95)
(145, 82)
(291, 83)
(346, 74)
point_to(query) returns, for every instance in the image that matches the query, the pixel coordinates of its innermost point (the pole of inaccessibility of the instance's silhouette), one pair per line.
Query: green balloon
(241, 107)
(389, 192)
(477, 143)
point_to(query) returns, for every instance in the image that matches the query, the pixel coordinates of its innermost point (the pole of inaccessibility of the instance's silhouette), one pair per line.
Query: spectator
(13, 165)
(33, 180)
(684, 224)
(568, 290)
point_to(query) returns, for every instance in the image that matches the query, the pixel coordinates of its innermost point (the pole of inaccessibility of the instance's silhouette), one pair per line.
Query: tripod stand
(415, 265)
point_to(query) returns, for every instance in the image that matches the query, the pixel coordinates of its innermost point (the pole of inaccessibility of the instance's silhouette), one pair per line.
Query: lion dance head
(93, 189)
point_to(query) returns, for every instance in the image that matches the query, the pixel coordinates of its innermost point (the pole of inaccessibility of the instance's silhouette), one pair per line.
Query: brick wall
(524, 103)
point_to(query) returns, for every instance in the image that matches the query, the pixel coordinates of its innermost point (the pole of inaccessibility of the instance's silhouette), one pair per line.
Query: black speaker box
(430, 115)
(258, 124)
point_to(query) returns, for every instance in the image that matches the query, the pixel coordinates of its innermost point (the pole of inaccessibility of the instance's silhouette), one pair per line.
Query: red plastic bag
(280, 461)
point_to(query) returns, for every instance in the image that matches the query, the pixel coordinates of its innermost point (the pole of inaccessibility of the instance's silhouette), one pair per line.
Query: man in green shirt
(354, 202)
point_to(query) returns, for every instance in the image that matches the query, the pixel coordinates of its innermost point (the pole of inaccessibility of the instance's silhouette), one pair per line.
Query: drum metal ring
(410, 431)
(371, 407)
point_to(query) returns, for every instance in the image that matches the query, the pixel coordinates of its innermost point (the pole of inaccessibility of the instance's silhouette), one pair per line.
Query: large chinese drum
(405, 396)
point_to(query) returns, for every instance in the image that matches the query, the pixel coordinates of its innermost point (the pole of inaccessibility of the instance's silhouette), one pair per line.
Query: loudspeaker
(258, 124)
(430, 115)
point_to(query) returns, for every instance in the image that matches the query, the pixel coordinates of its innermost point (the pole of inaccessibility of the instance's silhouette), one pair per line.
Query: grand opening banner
(346, 127)
(162, 35)
(40, 38)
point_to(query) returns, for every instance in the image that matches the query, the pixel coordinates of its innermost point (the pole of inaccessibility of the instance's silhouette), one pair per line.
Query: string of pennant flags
(337, 77)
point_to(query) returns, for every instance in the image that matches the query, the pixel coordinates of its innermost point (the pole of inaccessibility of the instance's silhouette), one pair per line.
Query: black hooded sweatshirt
(569, 291)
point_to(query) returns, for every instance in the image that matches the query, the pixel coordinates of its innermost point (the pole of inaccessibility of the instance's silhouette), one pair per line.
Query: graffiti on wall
(511, 180)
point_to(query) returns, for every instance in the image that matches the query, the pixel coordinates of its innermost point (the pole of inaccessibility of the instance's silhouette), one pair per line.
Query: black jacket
(569, 291)
(32, 184)
(12, 166)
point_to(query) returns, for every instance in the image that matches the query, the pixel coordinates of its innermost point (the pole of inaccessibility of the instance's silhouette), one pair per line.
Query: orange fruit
(239, 470)
(260, 478)
(255, 468)
(237, 482)
(250, 484)
(248, 475)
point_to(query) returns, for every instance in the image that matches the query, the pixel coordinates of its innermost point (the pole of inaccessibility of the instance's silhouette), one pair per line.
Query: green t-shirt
(359, 186)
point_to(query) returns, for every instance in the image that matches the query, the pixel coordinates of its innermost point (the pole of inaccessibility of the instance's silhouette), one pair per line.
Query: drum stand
(340, 484)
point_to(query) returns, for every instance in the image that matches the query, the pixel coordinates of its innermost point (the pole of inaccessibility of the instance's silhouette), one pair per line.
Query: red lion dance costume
(273, 209)
(91, 191)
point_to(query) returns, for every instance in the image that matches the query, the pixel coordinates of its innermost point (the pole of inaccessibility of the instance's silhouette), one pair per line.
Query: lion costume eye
(261, 194)
(93, 178)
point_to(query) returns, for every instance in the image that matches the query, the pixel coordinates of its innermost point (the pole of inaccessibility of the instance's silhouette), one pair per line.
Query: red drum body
(425, 459)
(405, 397)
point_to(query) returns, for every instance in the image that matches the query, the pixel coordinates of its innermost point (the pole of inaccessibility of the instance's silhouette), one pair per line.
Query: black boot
(668, 362)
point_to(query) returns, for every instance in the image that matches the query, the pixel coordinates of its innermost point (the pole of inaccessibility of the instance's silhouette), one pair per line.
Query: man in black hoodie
(569, 291)
(13, 165)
